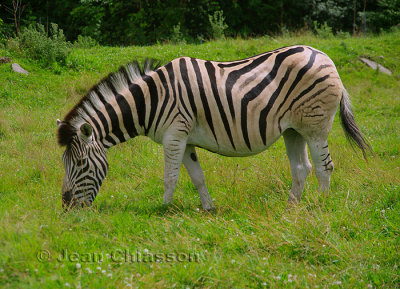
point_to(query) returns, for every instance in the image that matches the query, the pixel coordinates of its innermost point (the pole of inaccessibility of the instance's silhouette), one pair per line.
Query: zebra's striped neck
(115, 107)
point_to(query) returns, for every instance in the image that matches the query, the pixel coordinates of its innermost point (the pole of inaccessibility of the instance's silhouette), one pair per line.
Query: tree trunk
(364, 18)
(354, 16)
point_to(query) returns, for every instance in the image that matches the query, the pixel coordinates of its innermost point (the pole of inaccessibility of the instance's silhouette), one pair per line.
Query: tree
(16, 11)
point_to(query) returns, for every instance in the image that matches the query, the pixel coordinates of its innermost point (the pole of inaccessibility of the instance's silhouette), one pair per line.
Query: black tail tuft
(353, 133)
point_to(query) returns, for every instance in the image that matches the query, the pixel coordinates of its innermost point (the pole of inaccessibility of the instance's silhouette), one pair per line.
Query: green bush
(177, 36)
(34, 43)
(324, 30)
(2, 34)
(343, 35)
(218, 25)
(85, 42)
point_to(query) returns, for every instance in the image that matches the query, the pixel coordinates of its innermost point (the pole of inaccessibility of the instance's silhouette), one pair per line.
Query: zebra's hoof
(209, 208)
(292, 202)
(167, 201)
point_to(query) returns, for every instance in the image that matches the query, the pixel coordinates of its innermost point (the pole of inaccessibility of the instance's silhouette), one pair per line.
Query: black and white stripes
(233, 108)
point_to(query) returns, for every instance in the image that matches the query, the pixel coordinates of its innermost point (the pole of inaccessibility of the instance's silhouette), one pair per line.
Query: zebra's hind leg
(322, 162)
(192, 165)
(296, 149)
(174, 149)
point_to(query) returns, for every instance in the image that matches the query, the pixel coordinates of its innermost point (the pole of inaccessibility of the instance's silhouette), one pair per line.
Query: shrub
(324, 30)
(85, 42)
(35, 44)
(177, 36)
(343, 35)
(2, 32)
(218, 25)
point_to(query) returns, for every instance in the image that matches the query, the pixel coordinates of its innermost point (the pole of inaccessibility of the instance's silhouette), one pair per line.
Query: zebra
(237, 108)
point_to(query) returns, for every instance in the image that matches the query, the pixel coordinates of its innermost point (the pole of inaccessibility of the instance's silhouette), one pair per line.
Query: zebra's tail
(352, 132)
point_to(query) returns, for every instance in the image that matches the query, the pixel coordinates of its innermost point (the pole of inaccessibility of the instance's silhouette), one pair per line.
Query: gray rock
(376, 66)
(17, 68)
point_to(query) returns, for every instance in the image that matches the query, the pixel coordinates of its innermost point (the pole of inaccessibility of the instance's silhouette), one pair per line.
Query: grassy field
(128, 239)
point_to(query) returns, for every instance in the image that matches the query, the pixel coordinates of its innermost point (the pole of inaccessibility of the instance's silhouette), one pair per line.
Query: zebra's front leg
(174, 149)
(192, 165)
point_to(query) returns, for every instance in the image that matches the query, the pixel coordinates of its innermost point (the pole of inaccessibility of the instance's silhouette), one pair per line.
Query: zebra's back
(241, 107)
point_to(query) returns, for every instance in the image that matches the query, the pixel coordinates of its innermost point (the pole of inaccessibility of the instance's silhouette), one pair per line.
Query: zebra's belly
(200, 138)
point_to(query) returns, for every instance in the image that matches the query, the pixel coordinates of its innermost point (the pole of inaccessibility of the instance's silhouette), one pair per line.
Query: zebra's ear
(58, 122)
(86, 130)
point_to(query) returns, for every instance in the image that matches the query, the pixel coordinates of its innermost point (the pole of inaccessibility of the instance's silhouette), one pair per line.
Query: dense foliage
(118, 22)
(47, 48)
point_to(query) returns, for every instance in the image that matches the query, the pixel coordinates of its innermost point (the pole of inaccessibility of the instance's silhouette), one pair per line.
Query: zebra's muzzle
(67, 200)
(71, 203)
(75, 199)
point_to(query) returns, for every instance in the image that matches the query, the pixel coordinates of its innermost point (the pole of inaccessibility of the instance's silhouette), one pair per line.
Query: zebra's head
(85, 164)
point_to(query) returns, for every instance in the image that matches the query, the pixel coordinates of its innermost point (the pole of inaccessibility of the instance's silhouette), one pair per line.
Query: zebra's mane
(101, 93)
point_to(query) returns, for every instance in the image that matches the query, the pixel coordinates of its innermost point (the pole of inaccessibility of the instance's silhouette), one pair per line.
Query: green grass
(350, 239)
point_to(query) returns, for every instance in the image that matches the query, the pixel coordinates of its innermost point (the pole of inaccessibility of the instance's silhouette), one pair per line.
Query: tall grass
(253, 240)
